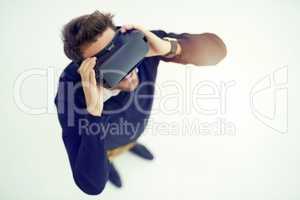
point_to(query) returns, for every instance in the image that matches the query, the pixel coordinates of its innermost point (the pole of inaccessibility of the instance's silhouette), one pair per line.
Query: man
(91, 115)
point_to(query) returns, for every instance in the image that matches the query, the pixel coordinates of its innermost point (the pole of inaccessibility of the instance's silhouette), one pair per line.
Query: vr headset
(118, 58)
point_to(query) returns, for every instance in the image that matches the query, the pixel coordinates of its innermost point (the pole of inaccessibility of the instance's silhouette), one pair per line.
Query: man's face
(131, 81)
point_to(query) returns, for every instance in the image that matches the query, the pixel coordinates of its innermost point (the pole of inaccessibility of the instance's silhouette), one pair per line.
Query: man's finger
(126, 27)
(148, 34)
(91, 73)
(93, 78)
(90, 64)
(82, 64)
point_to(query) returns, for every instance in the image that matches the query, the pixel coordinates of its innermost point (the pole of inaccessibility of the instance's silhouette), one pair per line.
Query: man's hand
(158, 46)
(93, 94)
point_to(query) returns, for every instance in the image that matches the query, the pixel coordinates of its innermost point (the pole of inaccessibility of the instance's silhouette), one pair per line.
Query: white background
(257, 162)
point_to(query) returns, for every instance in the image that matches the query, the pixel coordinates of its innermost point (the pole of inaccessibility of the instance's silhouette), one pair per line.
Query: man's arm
(84, 144)
(198, 49)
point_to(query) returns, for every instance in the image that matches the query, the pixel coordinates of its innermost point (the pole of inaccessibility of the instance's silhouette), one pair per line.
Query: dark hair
(84, 29)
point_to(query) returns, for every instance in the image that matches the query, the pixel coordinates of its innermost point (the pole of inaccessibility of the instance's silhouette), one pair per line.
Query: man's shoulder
(68, 83)
(70, 73)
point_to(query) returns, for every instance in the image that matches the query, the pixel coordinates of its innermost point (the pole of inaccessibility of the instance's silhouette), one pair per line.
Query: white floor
(258, 155)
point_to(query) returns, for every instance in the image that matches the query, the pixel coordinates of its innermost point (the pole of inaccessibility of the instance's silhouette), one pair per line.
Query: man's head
(85, 36)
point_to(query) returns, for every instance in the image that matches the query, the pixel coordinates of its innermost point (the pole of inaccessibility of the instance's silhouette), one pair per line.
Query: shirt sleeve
(83, 140)
(197, 49)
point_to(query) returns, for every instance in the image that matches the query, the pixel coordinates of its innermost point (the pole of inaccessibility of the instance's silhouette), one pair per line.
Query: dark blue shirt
(86, 137)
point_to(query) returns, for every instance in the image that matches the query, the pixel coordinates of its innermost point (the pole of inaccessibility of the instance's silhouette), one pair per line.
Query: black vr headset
(118, 58)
